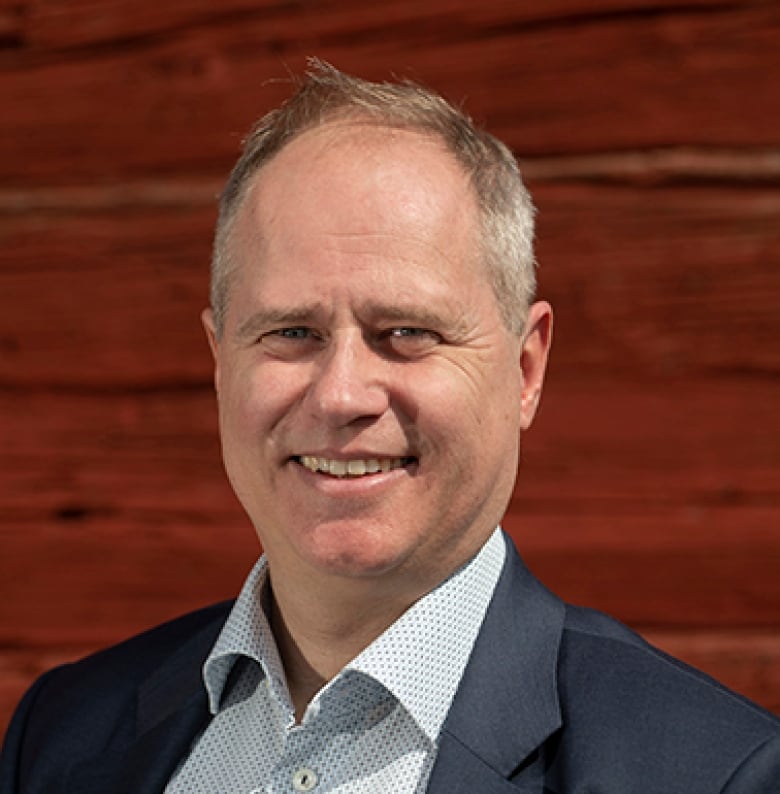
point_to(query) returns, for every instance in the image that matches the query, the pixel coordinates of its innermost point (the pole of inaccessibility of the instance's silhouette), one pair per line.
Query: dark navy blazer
(555, 700)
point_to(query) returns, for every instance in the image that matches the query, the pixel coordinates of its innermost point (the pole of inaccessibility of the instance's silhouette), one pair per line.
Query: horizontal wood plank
(177, 102)
(661, 282)
(80, 23)
(11, 23)
(618, 448)
(114, 505)
(645, 282)
(102, 298)
(79, 579)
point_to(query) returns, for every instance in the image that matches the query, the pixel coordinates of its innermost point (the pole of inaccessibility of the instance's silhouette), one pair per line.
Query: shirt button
(304, 779)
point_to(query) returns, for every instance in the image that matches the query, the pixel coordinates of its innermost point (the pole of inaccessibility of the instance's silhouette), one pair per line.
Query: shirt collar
(246, 632)
(435, 635)
(421, 657)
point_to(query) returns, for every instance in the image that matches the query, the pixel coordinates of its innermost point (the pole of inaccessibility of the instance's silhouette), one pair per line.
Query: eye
(292, 342)
(409, 341)
(292, 333)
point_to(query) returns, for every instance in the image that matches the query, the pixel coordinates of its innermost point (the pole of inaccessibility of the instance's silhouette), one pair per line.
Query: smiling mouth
(358, 467)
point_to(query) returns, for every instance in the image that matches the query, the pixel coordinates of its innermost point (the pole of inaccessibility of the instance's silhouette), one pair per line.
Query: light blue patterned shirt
(373, 728)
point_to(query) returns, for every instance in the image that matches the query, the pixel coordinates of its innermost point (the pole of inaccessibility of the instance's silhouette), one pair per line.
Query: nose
(347, 382)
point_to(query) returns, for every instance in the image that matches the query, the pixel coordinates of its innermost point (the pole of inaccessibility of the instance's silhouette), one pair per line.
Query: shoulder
(90, 699)
(599, 650)
(131, 661)
(634, 701)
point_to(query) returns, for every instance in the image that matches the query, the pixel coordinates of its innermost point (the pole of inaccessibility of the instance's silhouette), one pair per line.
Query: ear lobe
(207, 319)
(537, 339)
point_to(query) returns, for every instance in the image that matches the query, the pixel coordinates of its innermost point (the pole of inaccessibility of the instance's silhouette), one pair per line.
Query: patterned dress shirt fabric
(373, 728)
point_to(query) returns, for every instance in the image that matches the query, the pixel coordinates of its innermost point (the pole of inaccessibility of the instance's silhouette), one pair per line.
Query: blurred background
(649, 134)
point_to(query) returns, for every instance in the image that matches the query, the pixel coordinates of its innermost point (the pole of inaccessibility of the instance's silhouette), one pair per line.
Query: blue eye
(410, 332)
(293, 333)
(408, 341)
(291, 343)
(401, 332)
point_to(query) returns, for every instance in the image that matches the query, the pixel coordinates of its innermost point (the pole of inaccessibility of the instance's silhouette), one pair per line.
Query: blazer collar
(507, 702)
(505, 707)
(171, 710)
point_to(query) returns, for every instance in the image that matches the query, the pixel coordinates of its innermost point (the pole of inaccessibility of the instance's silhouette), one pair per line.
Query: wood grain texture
(649, 133)
(11, 23)
(692, 75)
(82, 22)
(127, 490)
(106, 298)
(646, 282)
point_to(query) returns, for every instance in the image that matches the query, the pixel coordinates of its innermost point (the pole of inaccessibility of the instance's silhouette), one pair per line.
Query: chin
(353, 552)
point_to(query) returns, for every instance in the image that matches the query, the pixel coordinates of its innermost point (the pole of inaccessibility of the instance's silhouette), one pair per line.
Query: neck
(320, 630)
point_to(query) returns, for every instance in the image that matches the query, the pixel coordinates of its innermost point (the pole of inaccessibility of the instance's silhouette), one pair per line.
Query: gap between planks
(679, 164)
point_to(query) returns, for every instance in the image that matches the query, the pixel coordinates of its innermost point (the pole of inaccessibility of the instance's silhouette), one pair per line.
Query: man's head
(371, 389)
(327, 95)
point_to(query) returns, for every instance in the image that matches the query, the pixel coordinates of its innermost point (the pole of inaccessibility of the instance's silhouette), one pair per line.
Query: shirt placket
(300, 767)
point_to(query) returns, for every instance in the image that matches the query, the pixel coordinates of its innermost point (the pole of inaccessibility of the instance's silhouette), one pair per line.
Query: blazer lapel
(171, 711)
(147, 764)
(505, 708)
(459, 771)
(507, 703)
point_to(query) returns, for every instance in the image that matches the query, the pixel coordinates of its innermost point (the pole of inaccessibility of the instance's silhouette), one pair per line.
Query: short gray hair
(325, 94)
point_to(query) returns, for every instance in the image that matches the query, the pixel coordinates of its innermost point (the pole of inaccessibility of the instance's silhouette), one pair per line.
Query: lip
(345, 486)
(352, 466)
(349, 454)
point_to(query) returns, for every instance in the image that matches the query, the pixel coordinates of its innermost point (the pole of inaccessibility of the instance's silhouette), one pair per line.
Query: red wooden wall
(650, 136)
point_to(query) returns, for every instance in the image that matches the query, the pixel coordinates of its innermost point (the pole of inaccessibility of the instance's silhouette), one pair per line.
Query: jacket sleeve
(759, 773)
(16, 754)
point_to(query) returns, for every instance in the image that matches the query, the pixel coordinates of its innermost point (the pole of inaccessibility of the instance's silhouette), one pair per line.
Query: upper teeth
(350, 468)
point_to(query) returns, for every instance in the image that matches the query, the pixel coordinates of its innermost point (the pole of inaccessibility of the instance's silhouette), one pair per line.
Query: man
(377, 356)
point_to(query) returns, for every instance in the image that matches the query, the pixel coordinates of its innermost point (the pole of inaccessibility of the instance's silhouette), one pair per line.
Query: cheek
(246, 414)
(253, 401)
(478, 396)
(446, 417)
(237, 414)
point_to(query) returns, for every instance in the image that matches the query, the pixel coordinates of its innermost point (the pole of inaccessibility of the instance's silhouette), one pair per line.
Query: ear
(537, 338)
(207, 318)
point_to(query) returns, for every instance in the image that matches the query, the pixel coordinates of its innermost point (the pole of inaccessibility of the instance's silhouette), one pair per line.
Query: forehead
(360, 213)
(353, 177)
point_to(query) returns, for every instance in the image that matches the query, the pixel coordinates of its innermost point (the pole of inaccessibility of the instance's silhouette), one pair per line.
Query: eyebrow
(403, 314)
(421, 316)
(269, 317)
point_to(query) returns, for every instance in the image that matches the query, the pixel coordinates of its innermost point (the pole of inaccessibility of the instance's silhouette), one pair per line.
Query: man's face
(370, 396)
